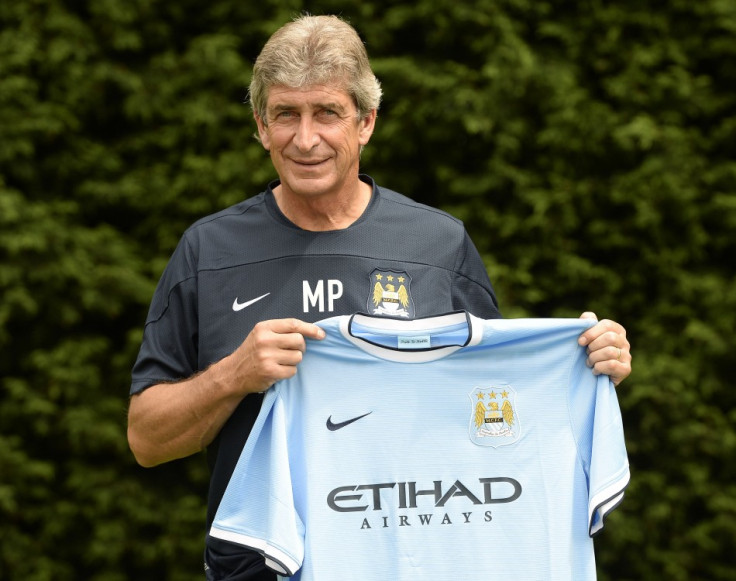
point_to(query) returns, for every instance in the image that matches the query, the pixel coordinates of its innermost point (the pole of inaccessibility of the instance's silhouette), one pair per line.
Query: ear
(263, 132)
(367, 125)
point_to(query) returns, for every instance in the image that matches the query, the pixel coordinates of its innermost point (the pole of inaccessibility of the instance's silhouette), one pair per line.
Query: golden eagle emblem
(390, 294)
(493, 419)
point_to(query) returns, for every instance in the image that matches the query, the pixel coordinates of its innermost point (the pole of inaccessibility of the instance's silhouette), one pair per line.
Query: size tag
(416, 342)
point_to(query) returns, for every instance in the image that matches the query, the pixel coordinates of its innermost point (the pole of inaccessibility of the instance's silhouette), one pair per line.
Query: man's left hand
(609, 352)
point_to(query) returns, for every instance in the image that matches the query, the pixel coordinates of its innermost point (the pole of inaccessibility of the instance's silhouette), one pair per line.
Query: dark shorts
(225, 561)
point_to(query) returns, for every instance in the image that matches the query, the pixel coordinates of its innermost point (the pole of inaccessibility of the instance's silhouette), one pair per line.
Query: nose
(307, 136)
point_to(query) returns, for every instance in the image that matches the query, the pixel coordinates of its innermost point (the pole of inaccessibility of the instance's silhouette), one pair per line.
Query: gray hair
(315, 50)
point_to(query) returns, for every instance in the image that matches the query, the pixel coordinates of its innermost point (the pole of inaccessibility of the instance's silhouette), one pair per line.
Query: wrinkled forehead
(332, 95)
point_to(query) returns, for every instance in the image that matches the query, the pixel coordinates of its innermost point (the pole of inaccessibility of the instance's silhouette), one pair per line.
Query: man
(245, 285)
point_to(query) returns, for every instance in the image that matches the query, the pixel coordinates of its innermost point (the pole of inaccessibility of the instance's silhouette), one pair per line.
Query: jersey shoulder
(400, 204)
(245, 207)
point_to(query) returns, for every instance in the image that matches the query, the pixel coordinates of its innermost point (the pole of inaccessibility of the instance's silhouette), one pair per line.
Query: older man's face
(314, 137)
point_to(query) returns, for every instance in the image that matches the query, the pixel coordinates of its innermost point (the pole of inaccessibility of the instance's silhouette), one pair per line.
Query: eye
(328, 114)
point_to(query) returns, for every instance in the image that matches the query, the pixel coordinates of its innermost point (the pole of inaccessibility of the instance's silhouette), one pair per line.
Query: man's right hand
(271, 352)
(173, 420)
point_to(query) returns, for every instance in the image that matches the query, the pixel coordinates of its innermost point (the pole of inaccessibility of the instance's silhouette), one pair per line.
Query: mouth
(309, 162)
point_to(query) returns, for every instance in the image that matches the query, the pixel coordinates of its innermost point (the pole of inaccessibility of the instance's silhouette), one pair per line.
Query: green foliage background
(590, 147)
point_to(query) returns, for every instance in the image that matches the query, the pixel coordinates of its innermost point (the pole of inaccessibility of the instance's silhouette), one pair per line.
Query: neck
(324, 212)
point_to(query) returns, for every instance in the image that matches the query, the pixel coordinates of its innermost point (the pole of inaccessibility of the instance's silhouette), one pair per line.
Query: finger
(266, 362)
(609, 353)
(283, 334)
(286, 367)
(616, 370)
(608, 345)
(612, 361)
(601, 329)
(286, 326)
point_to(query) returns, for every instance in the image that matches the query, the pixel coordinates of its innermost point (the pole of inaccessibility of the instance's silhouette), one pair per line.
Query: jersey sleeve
(168, 350)
(599, 433)
(257, 510)
(609, 465)
(472, 290)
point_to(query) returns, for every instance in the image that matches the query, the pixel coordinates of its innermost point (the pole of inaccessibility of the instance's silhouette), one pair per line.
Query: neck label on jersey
(417, 342)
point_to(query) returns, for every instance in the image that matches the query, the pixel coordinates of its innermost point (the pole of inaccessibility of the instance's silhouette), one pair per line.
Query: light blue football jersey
(433, 449)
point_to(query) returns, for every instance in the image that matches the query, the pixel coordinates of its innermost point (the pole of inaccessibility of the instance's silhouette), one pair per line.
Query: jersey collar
(412, 340)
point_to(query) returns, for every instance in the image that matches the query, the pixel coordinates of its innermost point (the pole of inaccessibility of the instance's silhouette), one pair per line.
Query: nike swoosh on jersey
(332, 427)
(240, 306)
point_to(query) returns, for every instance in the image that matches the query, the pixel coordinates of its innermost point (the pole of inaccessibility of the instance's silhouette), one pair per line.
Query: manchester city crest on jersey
(390, 294)
(494, 420)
